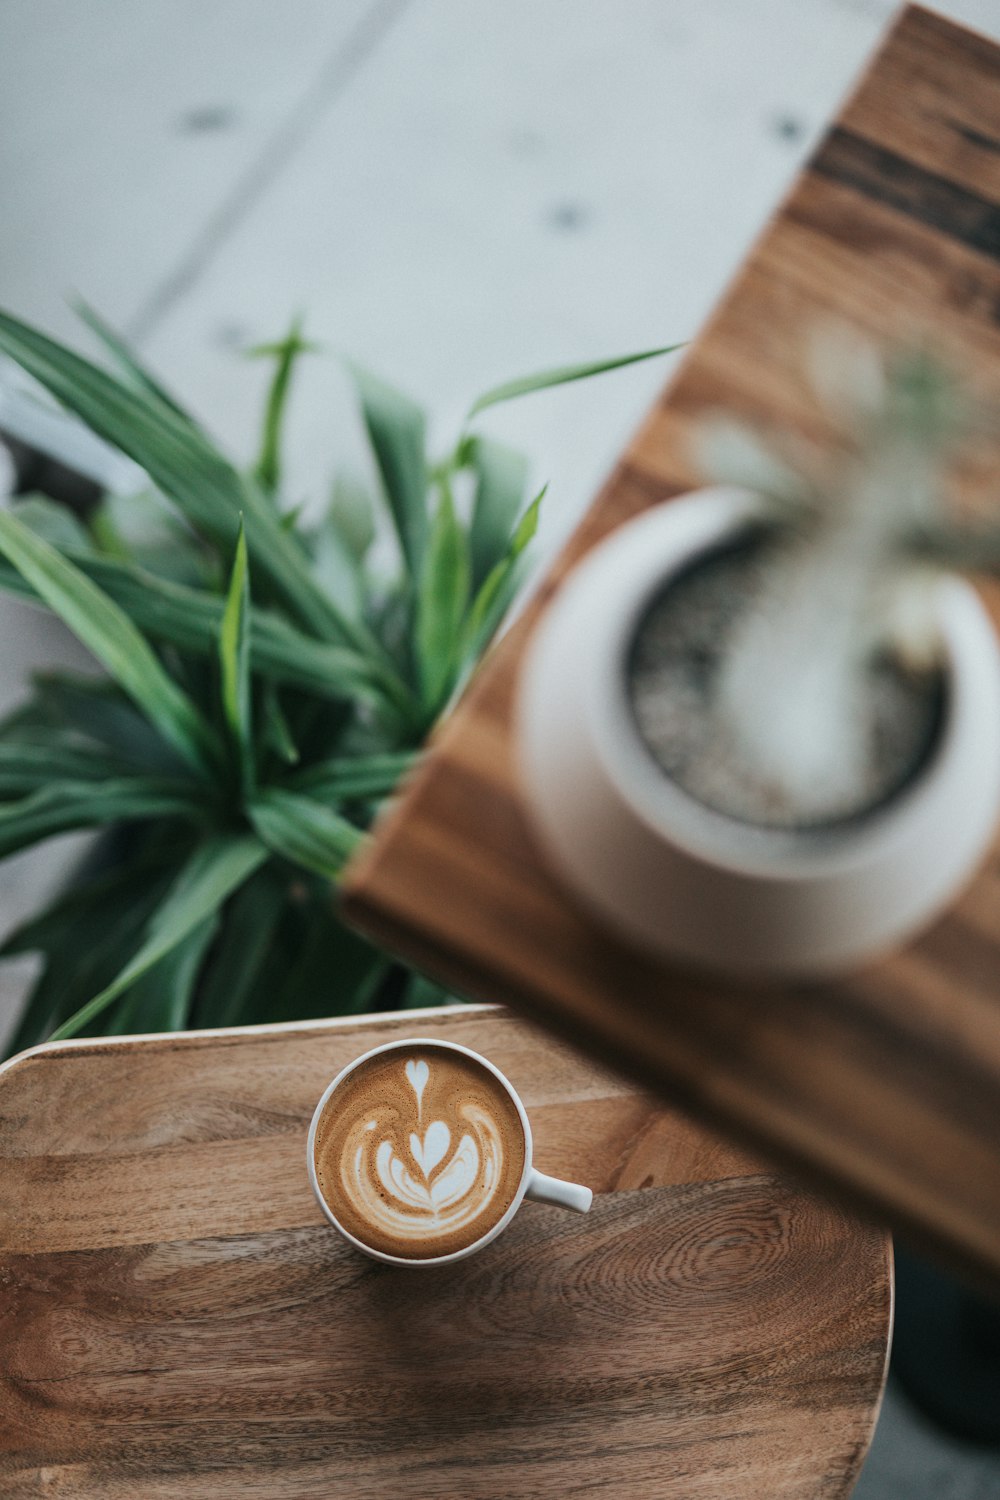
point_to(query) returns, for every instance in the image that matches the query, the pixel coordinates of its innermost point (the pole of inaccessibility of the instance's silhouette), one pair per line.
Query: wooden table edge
(172, 1041)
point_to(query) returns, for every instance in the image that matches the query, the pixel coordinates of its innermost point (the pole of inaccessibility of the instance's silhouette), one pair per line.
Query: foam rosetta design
(416, 1174)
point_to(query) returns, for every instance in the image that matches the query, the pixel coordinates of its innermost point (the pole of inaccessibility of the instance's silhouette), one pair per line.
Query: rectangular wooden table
(884, 1085)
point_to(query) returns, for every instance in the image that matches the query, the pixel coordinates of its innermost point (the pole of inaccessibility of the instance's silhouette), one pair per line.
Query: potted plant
(760, 725)
(266, 687)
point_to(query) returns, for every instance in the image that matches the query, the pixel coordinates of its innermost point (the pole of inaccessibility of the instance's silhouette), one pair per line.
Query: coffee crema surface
(419, 1152)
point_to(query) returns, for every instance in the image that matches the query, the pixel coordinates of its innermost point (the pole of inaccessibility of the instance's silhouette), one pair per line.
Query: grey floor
(910, 1459)
(455, 193)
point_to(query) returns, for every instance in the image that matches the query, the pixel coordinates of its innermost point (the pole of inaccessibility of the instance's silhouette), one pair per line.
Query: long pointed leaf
(277, 731)
(501, 473)
(234, 660)
(441, 603)
(493, 596)
(92, 890)
(395, 428)
(346, 778)
(191, 618)
(562, 375)
(109, 633)
(508, 587)
(126, 360)
(351, 515)
(66, 805)
(161, 1000)
(213, 872)
(248, 925)
(186, 467)
(335, 973)
(27, 764)
(285, 353)
(54, 522)
(85, 936)
(95, 709)
(287, 938)
(338, 569)
(304, 831)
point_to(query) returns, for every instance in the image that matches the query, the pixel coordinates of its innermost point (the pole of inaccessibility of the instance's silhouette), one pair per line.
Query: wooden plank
(886, 1085)
(252, 1095)
(177, 1319)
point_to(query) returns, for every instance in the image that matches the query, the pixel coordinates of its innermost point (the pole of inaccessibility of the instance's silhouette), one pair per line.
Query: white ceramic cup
(533, 1184)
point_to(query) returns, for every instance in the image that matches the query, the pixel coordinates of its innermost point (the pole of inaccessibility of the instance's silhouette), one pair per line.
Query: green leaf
(335, 972)
(191, 619)
(494, 595)
(501, 473)
(161, 1000)
(562, 375)
(95, 709)
(422, 992)
(441, 602)
(304, 831)
(396, 430)
(66, 805)
(524, 531)
(80, 901)
(277, 648)
(338, 570)
(185, 466)
(212, 873)
(53, 522)
(234, 660)
(109, 633)
(126, 361)
(295, 908)
(176, 457)
(286, 354)
(248, 924)
(345, 778)
(481, 635)
(145, 530)
(85, 936)
(27, 763)
(352, 515)
(39, 1013)
(277, 731)
(104, 534)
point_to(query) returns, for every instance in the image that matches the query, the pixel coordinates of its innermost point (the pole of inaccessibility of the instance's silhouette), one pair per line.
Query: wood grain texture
(885, 1086)
(177, 1319)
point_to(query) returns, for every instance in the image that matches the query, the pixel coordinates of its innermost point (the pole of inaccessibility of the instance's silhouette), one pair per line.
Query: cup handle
(562, 1194)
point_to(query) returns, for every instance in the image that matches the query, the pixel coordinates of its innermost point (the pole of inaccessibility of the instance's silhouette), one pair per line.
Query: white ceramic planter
(684, 880)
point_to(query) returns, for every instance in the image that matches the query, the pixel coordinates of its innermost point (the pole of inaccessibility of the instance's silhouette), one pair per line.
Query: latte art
(420, 1154)
(403, 1190)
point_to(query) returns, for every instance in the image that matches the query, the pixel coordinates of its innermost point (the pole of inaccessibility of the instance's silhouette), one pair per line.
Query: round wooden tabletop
(177, 1319)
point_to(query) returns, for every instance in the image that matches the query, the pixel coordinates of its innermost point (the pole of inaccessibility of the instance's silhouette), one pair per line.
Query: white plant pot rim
(699, 523)
(577, 730)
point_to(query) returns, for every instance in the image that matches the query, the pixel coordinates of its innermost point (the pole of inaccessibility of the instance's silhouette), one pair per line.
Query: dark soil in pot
(672, 673)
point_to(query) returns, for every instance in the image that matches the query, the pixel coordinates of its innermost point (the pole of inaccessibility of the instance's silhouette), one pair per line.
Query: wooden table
(886, 1085)
(178, 1320)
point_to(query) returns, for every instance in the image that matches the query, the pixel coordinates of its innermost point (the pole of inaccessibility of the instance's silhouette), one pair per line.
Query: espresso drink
(419, 1152)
